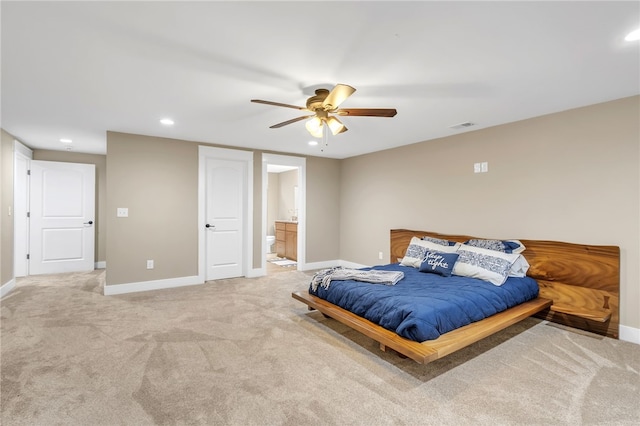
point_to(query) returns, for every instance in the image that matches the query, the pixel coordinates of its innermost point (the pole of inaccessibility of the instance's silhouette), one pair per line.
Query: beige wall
(572, 176)
(286, 200)
(157, 180)
(322, 209)
(100, 161)
(273, 193)
(6, 203)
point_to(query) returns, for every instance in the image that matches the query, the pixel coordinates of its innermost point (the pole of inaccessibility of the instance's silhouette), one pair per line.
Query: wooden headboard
(582, 280)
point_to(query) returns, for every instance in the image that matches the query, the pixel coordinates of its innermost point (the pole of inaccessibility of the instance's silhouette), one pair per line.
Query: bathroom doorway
(283, 217)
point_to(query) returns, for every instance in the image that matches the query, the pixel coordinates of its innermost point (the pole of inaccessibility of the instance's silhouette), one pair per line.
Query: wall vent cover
(462, 125)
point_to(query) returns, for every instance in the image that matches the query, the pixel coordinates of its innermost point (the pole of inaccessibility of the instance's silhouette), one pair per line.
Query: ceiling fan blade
(293, 120)
(260, 101)
(367, 112)
(337, 96)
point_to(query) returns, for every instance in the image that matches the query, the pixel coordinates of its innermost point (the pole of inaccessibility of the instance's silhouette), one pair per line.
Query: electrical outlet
(380, 255)
(122, 212)
(477, 168)
(150, 264)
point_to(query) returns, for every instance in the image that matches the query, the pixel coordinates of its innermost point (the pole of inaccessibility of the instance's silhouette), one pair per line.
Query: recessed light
(313, 143)
(65, 140)
(633, 35)
(167, 121)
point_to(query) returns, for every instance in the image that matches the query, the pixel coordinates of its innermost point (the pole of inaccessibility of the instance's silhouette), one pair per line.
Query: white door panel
(62, 217)
(62, 244)
(224, 248)
(62, 195)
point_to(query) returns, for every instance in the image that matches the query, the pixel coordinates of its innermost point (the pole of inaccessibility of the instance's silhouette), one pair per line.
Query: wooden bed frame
(579, 287)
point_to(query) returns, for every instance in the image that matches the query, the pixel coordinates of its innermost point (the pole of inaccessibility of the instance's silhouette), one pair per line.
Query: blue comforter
(422, 306)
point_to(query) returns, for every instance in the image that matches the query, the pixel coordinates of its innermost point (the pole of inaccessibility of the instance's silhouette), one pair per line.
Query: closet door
(62, 203)
(225, 182)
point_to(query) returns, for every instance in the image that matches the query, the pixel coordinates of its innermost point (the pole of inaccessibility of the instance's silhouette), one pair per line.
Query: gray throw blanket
(373, 276)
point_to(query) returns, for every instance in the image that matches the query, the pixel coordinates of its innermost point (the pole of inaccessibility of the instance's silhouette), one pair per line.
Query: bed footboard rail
(430, 350)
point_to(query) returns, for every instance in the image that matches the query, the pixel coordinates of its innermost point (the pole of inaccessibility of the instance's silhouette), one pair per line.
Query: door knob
(210, 226)
(89, 223)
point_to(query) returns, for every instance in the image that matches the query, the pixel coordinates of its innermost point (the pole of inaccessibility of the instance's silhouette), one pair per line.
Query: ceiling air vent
(462, 125)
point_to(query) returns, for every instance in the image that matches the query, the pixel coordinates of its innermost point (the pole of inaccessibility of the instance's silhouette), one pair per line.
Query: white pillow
(517, 250)
(484, 264)
(417, 248)
(519, 267)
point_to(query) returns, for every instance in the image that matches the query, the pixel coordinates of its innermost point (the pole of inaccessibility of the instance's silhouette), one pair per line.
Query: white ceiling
(78, 69)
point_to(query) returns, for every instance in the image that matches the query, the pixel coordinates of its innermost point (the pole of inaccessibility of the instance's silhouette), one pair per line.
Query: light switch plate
(123, 212)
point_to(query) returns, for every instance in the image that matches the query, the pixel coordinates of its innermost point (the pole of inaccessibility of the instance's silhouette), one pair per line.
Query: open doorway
(283, 216)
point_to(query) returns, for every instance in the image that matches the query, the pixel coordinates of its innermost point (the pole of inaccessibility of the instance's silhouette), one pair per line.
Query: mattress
(422, 306)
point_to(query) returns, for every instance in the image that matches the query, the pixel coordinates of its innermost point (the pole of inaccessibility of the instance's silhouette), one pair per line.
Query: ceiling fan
(325, 103)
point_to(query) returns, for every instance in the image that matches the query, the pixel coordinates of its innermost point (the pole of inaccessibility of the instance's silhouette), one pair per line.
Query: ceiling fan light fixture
(335, 125)
(314, 126)
(324, 103)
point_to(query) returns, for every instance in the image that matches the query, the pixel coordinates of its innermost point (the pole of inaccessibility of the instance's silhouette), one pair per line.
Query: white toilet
(271, 239)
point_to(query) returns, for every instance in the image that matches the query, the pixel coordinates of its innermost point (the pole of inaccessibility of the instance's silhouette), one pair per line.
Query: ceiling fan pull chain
(325, 138)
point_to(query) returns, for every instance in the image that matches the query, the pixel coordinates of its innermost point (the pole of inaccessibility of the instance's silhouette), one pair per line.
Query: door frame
(301, 164)
(205, 152)
(20, 210)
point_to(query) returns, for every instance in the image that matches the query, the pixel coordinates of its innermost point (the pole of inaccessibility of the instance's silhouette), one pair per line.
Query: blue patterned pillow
(504, 246)
(417, 248)
(484, 264)
(439, 241)
(439, 263)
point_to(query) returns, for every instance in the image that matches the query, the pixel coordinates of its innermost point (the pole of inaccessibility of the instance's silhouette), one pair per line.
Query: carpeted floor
(243, 352)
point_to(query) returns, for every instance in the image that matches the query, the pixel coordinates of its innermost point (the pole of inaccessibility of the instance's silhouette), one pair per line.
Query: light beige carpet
(243, 352)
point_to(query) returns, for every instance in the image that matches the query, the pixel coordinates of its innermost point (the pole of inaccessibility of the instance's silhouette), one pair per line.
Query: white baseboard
(151, 285)
(7, 287)
(257, 272)
(629, 334)
(352, 265)
(331, 263)
(101, 265)
(319, 265)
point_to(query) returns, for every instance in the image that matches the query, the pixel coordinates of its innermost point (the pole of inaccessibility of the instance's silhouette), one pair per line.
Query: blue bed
(422, 306)
(426, 317)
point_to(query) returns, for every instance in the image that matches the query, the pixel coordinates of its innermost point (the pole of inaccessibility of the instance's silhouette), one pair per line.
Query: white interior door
(225, 183)
(22, 165)
(62, 202)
